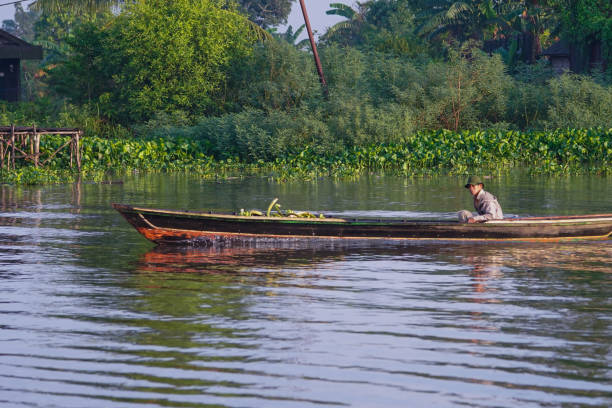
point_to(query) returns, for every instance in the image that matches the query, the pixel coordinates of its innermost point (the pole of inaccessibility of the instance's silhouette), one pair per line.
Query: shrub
(579, 102)
(156, 56)
(276, 76)
(460, 94)
(359, 122)
(254, 135)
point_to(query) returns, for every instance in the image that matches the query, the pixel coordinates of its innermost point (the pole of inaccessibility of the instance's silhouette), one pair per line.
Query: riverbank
(574, 151)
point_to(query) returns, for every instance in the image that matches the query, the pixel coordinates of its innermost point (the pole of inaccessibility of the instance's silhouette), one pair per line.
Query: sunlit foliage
(154, 56)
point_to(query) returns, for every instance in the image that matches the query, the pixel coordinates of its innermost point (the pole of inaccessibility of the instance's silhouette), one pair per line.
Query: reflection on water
(93, 315)
(484, 258)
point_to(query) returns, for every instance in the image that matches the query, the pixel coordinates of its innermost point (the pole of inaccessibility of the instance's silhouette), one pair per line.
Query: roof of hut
(14, 47)
(558, 49)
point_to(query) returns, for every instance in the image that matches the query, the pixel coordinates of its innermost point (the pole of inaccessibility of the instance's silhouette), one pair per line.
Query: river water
(92, 315)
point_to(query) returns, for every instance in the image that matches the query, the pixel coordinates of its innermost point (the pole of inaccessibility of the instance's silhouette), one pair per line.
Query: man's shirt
(487, 206)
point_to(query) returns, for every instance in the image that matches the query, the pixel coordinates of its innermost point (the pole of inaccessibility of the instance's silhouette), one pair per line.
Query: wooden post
(2, 152)
(78, 151)
(31, 143)
(71, 149)
(36, 146)
(13, 145)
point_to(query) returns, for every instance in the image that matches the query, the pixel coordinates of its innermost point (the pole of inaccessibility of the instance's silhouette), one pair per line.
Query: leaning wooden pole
(314, 49)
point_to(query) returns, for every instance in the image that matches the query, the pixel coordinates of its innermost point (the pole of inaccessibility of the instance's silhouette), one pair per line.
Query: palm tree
(292, 37)
(348, 31)
(463, 20)
(535, 17)
(524, 20)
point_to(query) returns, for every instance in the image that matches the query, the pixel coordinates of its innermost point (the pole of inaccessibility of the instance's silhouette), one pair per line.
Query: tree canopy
(425, 63)
(155, 56)
(267, 13)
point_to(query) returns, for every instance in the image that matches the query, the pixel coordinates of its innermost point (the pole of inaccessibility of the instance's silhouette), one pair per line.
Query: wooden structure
(12, 51)
(19, 142)
(565, 56)
(196, 228)
(558, 55)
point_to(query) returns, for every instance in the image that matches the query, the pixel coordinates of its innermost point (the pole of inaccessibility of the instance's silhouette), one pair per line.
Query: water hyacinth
(571, 151)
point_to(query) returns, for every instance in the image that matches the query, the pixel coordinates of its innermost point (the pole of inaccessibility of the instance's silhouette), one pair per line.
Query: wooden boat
(185, 227)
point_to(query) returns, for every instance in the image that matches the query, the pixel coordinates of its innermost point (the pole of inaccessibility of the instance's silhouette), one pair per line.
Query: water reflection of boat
(233, 258)
(483, 261)
(580, 257)
(183, 227)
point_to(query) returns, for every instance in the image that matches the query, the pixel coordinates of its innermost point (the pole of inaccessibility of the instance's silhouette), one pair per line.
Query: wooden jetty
(23, 142)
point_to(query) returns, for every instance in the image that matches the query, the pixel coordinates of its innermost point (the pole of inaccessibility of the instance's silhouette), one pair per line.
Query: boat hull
(176, 227)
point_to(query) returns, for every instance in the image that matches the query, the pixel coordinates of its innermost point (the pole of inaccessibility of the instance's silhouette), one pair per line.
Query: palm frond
(52, 45)
(438, 31)
(290, 36)
(432, 23)
(303, 44)
(455, 10)
(83, 6)
(260, 33)
(299, 31)
(338, 27)
(341, 9)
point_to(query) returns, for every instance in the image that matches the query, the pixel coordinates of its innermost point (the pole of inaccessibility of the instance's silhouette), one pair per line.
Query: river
(93, 315)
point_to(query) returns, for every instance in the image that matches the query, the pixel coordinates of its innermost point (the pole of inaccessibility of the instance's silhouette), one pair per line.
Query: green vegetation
(156, 56)
(415, 86)
(557, 152)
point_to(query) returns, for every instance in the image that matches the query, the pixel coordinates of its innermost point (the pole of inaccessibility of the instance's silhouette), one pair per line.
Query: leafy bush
(577, 101)
(559, 152)
(155, 56)
(459, 94)
(373, 96)
(276, 76)
(254, 135)
(356, 122)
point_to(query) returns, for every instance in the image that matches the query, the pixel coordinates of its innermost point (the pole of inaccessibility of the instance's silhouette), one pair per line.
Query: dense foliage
(586, 21)
(375, 98)
(399, 72)
(267, 13)
(558, 152)
(155, 56)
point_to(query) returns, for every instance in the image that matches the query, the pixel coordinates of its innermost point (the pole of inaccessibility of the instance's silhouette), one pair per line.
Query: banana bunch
(274, 210)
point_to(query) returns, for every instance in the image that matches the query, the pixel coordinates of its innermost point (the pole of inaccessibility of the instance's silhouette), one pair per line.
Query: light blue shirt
(487, 206)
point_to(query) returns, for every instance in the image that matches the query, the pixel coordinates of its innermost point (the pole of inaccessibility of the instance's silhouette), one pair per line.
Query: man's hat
(473, 180)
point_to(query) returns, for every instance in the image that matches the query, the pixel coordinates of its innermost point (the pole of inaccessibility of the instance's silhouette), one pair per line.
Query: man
(485, 203)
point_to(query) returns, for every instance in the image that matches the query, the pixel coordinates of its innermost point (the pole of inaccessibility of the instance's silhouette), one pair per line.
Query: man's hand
(471, 220)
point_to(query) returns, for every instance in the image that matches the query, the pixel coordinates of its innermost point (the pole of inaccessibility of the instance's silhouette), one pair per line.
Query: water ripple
(90, 315)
